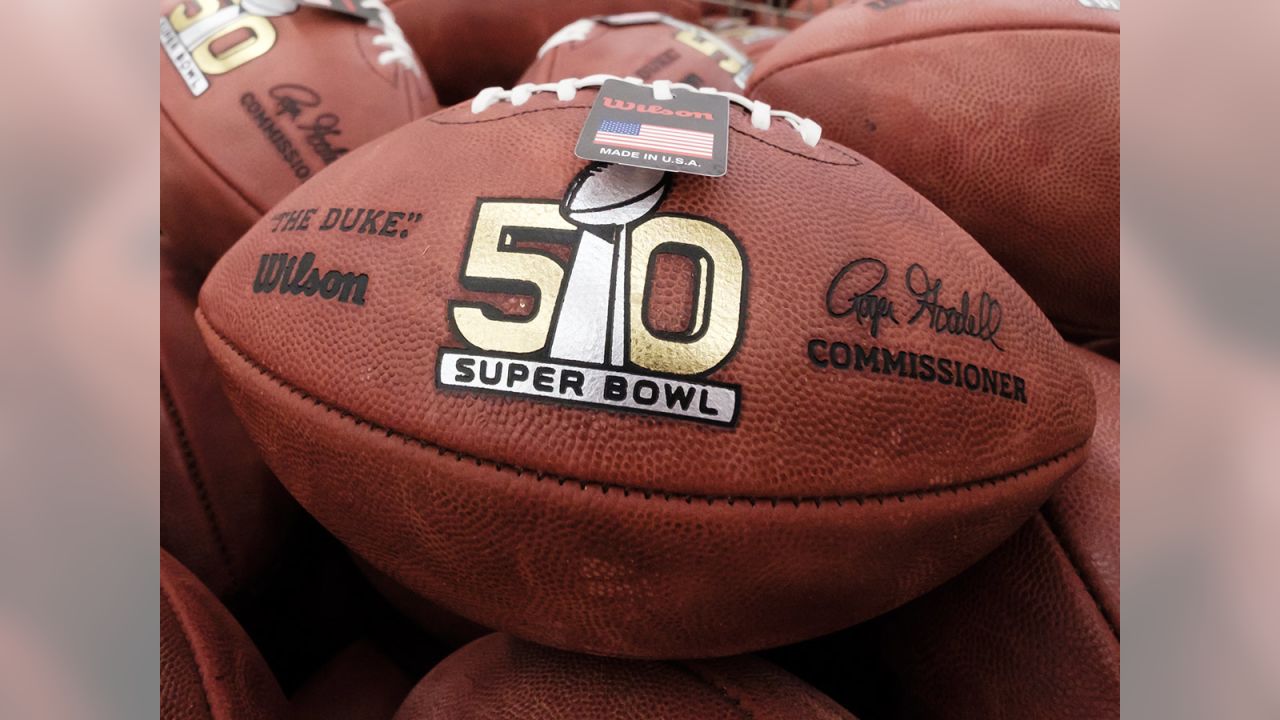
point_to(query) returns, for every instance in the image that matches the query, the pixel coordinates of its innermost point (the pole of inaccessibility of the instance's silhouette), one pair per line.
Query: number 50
(212, 22)
(494, 263)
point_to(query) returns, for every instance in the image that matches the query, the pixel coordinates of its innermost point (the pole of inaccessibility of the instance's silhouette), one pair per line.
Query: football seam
(762, 79)
(853, 160)
(166, 118)
(733, 700)
(628, 491)
(1057, 535)
(197, 479)
(396, 75)
(186, 642)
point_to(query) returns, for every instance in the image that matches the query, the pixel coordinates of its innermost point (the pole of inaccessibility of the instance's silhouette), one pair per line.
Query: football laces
(392, 38)
(762, 114)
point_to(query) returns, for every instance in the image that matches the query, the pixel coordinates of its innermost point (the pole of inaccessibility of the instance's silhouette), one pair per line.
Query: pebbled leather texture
(209, 669)
(1034, 629)
(650, 51)
(838, 495)
(501, 678)
(219, 170)
(1005, 113)
(222, 513)
(468, 45)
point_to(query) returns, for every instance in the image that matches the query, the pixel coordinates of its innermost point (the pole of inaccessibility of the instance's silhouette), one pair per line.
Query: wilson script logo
(655, 109)
(292, 275)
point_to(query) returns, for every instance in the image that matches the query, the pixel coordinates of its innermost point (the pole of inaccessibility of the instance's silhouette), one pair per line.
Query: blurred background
(78, 391)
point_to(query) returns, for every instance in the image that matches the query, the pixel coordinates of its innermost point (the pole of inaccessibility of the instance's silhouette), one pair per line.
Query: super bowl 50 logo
(212, 37)
(591, 335)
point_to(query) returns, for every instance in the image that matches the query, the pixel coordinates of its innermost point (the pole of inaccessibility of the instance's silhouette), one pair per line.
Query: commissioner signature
(858, 290)
(291, 99)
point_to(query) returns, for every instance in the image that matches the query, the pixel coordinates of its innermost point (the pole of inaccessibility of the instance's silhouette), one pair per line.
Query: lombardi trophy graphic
(604, 201)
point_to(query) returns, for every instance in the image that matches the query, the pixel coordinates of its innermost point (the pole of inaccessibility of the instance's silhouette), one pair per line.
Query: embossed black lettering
(982, 322)
(853, 292)
(293, 275)
(466, 370)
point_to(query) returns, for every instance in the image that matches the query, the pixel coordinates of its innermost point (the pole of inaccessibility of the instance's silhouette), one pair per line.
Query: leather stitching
(605, 488)
(736, 702)
(195, 476)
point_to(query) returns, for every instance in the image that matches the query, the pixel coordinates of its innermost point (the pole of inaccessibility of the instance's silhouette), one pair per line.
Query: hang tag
(635, 18)
(346, 7)
(627, 126)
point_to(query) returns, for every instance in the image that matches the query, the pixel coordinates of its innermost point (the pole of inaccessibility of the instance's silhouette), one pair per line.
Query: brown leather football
(222, 513)
(209, 668)
(635, 413)
(1005, 113)
(650, 46)
(255, 98)
(1033, 631)
(468, 45)
(501, 678)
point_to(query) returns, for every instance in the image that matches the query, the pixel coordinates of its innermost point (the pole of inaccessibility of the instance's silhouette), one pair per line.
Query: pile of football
(639, 359)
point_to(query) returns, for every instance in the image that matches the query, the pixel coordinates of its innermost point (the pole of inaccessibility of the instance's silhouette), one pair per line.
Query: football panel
(1085, 512)
(194, 191)
(209, 668)
(1014, 134)
(1019, 635)
(222, 513)
(650, 51)
(499, 677)
(605, 568)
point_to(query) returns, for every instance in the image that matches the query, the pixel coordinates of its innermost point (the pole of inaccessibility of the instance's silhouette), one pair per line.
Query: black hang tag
(627, 19)
(346, 7)
(627, 126)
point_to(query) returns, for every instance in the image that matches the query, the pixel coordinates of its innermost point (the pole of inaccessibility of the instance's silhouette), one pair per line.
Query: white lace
(392, 38)
(576, 31)
(269, 8)
(761, 114)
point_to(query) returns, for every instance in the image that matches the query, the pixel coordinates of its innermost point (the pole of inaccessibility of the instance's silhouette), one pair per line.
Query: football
(736, 412)
(256, 97)
(209, 668)
(468, 45)
(649, 46)
(501, 678)
(1034, 629)
(1004, 113)
(222, 513)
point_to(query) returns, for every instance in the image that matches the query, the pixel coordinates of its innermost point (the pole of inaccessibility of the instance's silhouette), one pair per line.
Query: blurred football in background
(257, 98)
(649, 46)
(1004, 113)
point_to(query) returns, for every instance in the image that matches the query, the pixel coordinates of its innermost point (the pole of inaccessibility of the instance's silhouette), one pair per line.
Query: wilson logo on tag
(628, 126)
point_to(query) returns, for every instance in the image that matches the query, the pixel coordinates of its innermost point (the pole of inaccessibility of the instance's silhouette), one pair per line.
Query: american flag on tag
(655, 138)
